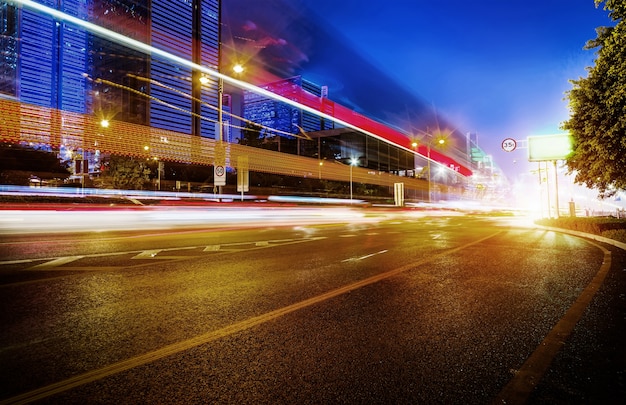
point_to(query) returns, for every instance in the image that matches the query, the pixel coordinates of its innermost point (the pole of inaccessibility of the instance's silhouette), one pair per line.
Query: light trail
(99, 219)
(150, 50)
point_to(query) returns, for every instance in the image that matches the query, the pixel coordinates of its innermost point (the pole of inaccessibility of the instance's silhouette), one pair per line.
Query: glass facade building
(62, 79)
(52, 63)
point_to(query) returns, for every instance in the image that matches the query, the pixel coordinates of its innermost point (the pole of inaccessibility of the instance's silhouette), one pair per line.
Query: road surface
(384, 309)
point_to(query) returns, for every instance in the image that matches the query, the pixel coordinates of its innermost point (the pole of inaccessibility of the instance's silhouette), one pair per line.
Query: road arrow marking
(55, 263)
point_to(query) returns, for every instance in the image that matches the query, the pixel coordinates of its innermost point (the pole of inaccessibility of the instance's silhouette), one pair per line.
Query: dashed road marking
(60, 263)
(356, 259)
(210, 336)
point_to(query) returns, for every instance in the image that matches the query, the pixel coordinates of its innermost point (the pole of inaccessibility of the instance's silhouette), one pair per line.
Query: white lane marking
(53, 262)
(356, 259)
(210, 336)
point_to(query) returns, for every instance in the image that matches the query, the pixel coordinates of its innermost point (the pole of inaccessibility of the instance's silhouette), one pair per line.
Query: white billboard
(543, 148)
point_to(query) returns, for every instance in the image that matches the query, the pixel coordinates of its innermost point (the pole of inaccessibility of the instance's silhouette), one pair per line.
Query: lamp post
(220, 100)
(440, 141)
(220, 113)
(353, 162)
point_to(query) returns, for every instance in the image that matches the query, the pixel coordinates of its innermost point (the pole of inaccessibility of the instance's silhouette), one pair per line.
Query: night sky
(496, 68)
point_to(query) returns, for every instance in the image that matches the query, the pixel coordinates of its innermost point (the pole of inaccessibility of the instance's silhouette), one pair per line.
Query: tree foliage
(126, 173)
(256, 136)
(597, 103)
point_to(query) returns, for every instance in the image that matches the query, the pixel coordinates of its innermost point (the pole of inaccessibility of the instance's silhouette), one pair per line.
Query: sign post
(243, 175)
(546, 148)
(219, 169)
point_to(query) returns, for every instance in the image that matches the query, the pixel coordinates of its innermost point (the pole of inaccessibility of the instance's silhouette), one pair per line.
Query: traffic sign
(509, 145)
(219, 174)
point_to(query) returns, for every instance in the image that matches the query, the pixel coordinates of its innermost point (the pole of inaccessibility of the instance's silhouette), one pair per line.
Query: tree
(123, 172)
(256, 136)
(597, 104)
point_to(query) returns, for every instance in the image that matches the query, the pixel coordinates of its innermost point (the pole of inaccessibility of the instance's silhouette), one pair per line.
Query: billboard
(549, 147)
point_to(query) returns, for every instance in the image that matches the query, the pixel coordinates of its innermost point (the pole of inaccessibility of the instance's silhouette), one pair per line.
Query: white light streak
(150, 50)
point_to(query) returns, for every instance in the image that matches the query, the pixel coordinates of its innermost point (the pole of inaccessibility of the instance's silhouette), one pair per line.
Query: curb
(597, 238)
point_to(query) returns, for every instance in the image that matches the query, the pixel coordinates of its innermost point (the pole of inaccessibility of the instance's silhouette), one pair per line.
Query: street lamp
(353, 162)
(220, 96)
(440, 141)
(220, 112)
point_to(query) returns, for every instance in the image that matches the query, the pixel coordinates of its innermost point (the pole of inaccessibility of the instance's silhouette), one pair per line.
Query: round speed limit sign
(509, 145)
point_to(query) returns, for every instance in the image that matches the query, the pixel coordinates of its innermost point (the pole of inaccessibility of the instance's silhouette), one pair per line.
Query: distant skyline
(497, 69)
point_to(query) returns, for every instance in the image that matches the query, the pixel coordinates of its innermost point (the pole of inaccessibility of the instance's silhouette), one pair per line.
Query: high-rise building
(289, 125)
(63, 79)
(53, 63)
(285, 118)
(44, 60)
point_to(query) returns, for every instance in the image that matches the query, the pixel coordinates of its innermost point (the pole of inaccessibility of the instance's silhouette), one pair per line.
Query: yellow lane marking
(211, 336)
(519, 388)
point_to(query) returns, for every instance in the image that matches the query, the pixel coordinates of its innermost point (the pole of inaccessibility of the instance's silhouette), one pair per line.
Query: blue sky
(498, 68)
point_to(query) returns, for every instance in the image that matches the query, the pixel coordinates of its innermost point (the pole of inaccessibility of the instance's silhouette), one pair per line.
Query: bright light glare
(237, 68)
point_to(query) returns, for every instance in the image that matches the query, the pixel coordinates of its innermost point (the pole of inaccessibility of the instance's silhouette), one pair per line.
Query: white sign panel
(549, 147)
(219, 174)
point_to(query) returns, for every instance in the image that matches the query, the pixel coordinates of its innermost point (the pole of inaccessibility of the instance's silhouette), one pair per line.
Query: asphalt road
(406, 309)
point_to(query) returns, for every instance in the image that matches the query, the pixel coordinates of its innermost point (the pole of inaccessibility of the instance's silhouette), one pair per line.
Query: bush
(608, 227)
(616, 234)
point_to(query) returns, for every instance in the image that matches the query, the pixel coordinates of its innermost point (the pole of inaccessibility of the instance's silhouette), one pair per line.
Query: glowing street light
(238, 68)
